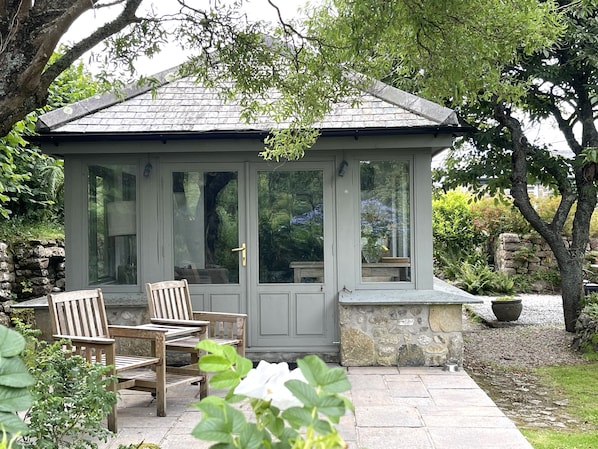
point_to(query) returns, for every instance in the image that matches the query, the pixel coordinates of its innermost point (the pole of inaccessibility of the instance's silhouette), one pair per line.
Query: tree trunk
(569, 258)
(571, 290)
(29, 33)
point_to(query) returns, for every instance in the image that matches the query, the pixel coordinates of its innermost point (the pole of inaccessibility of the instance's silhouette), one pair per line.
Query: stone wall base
(401, 335)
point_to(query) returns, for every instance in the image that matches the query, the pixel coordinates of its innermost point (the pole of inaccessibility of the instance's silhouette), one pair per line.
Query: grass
(554, 439)
(15, 230)
(579, 384)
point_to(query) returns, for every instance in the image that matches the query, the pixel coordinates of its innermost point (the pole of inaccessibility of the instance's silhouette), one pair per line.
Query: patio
(419, 408)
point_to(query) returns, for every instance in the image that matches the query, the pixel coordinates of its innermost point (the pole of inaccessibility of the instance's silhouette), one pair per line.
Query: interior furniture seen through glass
(112, 224)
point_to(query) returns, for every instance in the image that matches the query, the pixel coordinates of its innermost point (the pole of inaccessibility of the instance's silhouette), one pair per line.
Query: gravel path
(537, 309)
(502, 357)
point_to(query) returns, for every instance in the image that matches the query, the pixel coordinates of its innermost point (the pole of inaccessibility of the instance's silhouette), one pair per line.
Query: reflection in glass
(385, 221)
(112, 224)
(291, 226)
(206, 227)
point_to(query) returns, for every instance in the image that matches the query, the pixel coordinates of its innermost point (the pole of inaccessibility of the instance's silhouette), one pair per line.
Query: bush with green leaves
(15, 381)
(456, 239)
(494, 216)
(70, 397)
(292, 409)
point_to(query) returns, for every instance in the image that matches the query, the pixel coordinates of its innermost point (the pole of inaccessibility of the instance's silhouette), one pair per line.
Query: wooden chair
(80, 318)
(170, 303)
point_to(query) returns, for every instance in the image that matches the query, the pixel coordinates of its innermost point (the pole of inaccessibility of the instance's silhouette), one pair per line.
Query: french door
(257, 239)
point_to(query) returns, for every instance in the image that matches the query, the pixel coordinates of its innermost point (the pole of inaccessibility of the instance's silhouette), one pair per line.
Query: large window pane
(112, 233)
(385, 221)
(291, 226)
(206, 227)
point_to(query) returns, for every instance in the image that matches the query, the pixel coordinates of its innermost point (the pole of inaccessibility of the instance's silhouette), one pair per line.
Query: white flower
(266, 382)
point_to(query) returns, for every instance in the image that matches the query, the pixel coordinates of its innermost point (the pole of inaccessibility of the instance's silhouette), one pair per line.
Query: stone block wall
(515, 254)
(401, 334)
(586, 334)
(528, 254)
(31, 269)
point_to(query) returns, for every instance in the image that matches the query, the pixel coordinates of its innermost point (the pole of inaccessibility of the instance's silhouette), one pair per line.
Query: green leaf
(304, 392)
(11, 342)
(211, 405)
(213, 363)
(230, 353)
(298, 417)
(251, 437)
(211, 347)
(14, 399)
(14, 373)
(332, 380)
(213, 429)
(225, 379)
(12, 423)
(323, 427)
(332, 406)
(244, 366)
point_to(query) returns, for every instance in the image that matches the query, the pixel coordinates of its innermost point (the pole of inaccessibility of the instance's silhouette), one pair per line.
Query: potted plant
(507, 308)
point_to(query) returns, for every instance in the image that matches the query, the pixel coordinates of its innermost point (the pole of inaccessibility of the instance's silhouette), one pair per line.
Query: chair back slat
(80, 313)
(169, 300)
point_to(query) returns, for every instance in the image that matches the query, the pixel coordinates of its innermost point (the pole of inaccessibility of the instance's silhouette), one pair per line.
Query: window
(291, 226)
(385, 221)
(206, 226)
(112, 224)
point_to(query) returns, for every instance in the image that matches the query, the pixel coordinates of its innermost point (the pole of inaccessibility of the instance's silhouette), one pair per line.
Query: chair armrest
(173, 322)
(83, 340)
(135, 332)
(218, 316)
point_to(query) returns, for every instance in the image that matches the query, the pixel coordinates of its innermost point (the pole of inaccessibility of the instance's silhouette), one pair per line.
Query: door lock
(243, 250)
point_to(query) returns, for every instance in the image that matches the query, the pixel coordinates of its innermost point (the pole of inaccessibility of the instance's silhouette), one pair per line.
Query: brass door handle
(243, 249)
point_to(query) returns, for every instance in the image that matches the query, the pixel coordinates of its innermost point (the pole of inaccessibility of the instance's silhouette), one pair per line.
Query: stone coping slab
(404, 297)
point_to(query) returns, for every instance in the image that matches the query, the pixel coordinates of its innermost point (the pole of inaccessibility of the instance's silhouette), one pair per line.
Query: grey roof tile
(181, 105)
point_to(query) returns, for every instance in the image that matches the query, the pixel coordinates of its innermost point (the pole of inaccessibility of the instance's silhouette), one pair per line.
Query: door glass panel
(385, 221)
(291, 226)
(112, 224)
(206, 227)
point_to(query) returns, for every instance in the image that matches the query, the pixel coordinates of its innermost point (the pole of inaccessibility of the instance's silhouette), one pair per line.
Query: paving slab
(418, 408)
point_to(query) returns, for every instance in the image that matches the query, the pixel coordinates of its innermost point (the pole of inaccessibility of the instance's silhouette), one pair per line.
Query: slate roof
(182, 106)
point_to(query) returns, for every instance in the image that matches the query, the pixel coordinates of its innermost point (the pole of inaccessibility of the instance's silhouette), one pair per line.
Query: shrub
(494, 217)
(14, 384)
(70, 398)
(455, 237)
(480, 279)
(290, 408)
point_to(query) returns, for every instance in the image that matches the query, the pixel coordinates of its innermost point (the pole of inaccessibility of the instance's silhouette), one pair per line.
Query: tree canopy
(561, 83)
(446, 49)
(28, 178)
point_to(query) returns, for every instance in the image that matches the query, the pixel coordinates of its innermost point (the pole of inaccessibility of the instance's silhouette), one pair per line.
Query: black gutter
(57, 138)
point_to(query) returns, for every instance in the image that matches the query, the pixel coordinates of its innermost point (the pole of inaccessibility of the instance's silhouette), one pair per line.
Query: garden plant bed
(502, 361)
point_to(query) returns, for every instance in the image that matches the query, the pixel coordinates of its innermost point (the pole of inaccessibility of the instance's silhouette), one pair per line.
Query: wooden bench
(170, 303)
(79, 317)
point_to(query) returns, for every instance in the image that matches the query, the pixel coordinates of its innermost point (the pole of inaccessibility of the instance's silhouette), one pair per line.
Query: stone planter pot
(507, 309)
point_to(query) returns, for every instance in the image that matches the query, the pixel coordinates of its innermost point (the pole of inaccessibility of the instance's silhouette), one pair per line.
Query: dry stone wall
(31, 269)
(525, 254)
(586, 334)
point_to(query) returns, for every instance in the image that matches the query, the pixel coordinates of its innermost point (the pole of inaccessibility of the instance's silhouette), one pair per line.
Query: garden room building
(331, 254)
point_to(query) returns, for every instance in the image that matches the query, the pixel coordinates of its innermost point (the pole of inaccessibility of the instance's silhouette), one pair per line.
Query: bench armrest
(85, 340)
(135, 332)
(173, 322)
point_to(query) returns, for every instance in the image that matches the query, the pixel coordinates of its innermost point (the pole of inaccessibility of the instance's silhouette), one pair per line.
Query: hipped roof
(181, 108)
